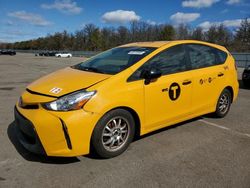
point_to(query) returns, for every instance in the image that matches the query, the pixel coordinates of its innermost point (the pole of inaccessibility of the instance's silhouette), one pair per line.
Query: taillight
(235, 64)
(236, 68)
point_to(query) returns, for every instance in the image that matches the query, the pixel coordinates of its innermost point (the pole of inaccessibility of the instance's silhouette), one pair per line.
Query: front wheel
(223, 104)
(113, 133)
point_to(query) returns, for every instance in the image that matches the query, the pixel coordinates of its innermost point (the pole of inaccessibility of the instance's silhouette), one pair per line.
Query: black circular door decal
(174, 91)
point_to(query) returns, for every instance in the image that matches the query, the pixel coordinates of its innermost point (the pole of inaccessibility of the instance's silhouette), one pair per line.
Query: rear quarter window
(222, 56)
(205, 56)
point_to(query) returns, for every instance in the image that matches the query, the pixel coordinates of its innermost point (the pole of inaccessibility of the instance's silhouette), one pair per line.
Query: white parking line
(225, 128)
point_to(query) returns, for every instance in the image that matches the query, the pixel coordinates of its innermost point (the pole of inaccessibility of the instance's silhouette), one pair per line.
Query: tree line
(93, 38)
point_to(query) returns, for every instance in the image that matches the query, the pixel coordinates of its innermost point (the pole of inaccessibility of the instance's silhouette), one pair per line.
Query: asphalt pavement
(203, 152)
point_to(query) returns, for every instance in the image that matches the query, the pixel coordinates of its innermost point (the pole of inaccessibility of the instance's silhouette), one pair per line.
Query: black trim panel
(66, 134)
(37, 93)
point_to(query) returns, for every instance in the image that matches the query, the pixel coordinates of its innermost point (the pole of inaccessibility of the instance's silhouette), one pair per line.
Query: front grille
(28, 138)
(25, 127)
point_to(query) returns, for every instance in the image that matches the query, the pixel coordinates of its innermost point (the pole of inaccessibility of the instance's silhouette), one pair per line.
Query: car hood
(65, 81)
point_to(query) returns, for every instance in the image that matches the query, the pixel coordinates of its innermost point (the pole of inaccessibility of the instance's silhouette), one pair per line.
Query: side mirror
(151, 74)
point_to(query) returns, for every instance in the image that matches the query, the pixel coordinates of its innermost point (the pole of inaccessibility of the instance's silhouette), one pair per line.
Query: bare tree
(167, 32)
(242, 37)
(93, 38)
(182, 32)
(198, 34)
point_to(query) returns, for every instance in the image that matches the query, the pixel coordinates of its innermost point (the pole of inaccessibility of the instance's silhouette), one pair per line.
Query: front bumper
(27, 135)
(55, 133)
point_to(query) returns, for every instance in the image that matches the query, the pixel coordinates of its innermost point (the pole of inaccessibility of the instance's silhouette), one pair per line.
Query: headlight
(73, 101)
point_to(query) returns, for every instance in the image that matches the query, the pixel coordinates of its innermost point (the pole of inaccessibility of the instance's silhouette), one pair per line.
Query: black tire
(223, 104)
(59, 56)
(106, 132)
(246, 83)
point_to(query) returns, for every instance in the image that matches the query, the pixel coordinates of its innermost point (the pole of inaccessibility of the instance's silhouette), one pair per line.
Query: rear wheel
(223, 104)
(113, 133)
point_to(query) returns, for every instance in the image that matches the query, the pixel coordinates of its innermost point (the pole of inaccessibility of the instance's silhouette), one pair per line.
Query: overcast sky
(27, 19)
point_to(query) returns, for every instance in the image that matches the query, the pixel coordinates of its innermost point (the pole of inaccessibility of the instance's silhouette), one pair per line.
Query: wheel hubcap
(224, 103)
(115, 134)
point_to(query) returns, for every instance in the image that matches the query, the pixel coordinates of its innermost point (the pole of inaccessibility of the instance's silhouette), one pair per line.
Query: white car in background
(63, 54)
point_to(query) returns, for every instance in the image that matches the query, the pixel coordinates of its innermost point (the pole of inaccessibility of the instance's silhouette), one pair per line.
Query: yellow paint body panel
(152, 106)
(68, 80)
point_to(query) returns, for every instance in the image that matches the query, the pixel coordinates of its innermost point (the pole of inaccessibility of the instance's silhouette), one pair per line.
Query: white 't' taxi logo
(55, 90)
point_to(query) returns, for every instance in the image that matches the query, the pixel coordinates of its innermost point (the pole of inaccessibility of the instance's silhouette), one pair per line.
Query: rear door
(208, 76)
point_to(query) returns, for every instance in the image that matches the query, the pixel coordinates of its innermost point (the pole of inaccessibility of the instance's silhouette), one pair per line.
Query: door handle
(220, 74)
(186, 82)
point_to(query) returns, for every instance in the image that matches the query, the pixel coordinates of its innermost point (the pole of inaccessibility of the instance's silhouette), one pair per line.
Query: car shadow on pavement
(65, 160)
(166, 128)
(33, 157)
(137, 137)
(242, 86)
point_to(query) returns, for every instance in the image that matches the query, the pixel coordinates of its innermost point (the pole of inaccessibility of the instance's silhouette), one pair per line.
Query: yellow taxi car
(101, 104)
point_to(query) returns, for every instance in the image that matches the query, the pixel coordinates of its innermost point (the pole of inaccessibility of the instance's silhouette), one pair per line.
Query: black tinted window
(205, 56)
(169, 61)
(221, 56)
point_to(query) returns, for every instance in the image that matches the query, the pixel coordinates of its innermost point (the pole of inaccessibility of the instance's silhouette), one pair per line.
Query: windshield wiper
(91, 69)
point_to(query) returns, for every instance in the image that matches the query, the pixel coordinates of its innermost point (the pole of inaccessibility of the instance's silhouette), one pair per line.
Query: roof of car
(158, 44)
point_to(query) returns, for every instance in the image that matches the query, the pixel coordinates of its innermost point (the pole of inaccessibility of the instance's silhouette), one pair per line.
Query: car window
(221, 56)
(115, 60)
(204, 56)
(170, 61)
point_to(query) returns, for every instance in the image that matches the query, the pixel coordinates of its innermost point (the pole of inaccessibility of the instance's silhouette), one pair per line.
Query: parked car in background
(42, 53)
(8, 52)
(63, 54)
(46, 53)
(246, 76)
(50, 53)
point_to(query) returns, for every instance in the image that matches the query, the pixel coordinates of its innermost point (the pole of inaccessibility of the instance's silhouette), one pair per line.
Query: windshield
(115, 60)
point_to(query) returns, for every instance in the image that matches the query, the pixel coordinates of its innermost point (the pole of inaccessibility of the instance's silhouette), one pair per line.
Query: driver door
(168, 99)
